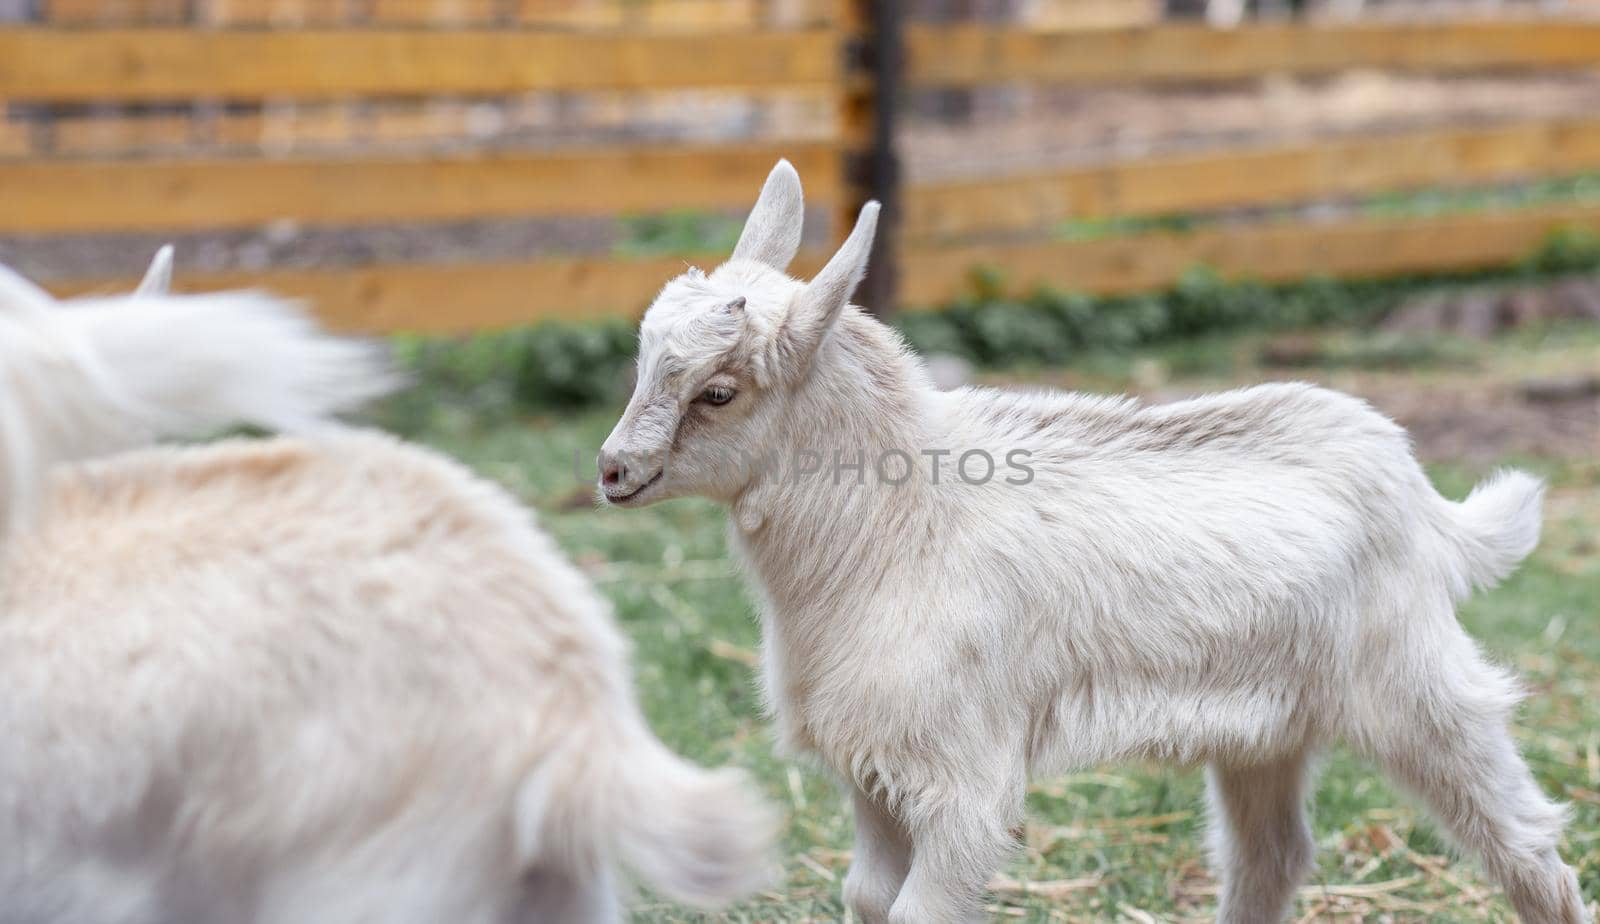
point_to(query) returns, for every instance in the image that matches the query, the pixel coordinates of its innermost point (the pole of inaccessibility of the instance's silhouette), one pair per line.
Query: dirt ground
(1480, 418)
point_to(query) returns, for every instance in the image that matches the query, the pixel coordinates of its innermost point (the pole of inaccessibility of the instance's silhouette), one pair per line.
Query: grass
(1109, 843)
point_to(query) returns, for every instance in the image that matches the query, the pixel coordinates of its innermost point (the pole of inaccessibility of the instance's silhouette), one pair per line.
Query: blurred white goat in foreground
(332, 679)
(1237, 580)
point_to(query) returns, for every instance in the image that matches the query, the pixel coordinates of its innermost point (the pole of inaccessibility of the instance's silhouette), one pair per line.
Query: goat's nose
(612, 470)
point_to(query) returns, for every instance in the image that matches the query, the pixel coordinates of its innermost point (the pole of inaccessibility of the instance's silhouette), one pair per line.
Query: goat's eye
(717, 395)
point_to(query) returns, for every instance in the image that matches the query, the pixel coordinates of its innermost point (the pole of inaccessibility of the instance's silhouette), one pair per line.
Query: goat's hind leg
(1445, 738)
(1260, 841)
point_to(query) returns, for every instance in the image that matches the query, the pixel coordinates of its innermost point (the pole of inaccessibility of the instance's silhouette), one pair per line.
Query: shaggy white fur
(1237, 580)
(90, 376)
(333, 679)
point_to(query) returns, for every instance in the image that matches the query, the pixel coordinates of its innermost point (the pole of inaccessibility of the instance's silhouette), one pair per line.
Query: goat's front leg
(1260, 840)
(881, 861)
(955, 849)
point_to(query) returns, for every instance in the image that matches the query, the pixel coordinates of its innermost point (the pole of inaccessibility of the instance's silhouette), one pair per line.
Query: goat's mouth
(629, 497)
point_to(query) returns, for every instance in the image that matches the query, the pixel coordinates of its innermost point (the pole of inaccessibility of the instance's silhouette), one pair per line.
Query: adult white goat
(1237, 580)
(333, 679)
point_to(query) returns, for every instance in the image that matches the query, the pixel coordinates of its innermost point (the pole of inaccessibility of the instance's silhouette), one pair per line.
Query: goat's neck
(807, 537)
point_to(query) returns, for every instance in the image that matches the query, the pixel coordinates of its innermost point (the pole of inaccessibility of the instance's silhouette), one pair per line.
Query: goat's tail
(87, 377)
(1497, 526)
(185, 364)
(697, 836)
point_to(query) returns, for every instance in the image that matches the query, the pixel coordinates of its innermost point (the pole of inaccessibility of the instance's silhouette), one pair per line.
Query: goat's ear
(817, 306)
(772, 232)
(20, 295)
(158, 278)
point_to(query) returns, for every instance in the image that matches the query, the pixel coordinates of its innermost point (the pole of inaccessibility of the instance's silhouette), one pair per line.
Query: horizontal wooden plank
(443, 299)
(451, 299)
(16, 136)
(1270, 252)
(84, 65)
(588, 14)
(1244, 178)
(87, 196)
(957, 55)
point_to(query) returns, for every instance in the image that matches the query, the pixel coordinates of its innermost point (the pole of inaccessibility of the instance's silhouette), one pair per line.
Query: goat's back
(1172, 582)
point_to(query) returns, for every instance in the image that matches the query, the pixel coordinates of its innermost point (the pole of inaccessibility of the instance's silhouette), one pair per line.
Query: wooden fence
(945, 229)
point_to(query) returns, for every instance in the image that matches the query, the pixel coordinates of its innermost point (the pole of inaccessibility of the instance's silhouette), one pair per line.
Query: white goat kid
(332, 679)
(1237, 580)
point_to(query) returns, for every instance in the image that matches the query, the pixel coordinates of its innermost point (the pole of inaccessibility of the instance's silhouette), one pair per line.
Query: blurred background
(1398, 198)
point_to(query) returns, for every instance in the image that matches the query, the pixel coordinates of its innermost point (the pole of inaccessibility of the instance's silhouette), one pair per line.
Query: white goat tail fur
(331, 678)
(1239, 580)
(1500, 522)
(90, 376)
(698, 837)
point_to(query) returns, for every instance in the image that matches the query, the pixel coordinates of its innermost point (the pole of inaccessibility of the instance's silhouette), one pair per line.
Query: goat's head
(720, 353)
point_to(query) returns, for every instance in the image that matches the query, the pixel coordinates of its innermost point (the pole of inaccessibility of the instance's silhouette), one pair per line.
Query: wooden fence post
(875, 53)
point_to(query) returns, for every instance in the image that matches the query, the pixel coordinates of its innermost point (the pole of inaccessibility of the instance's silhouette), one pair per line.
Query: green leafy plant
(495, 376)
(562, 366)
(991, 328)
